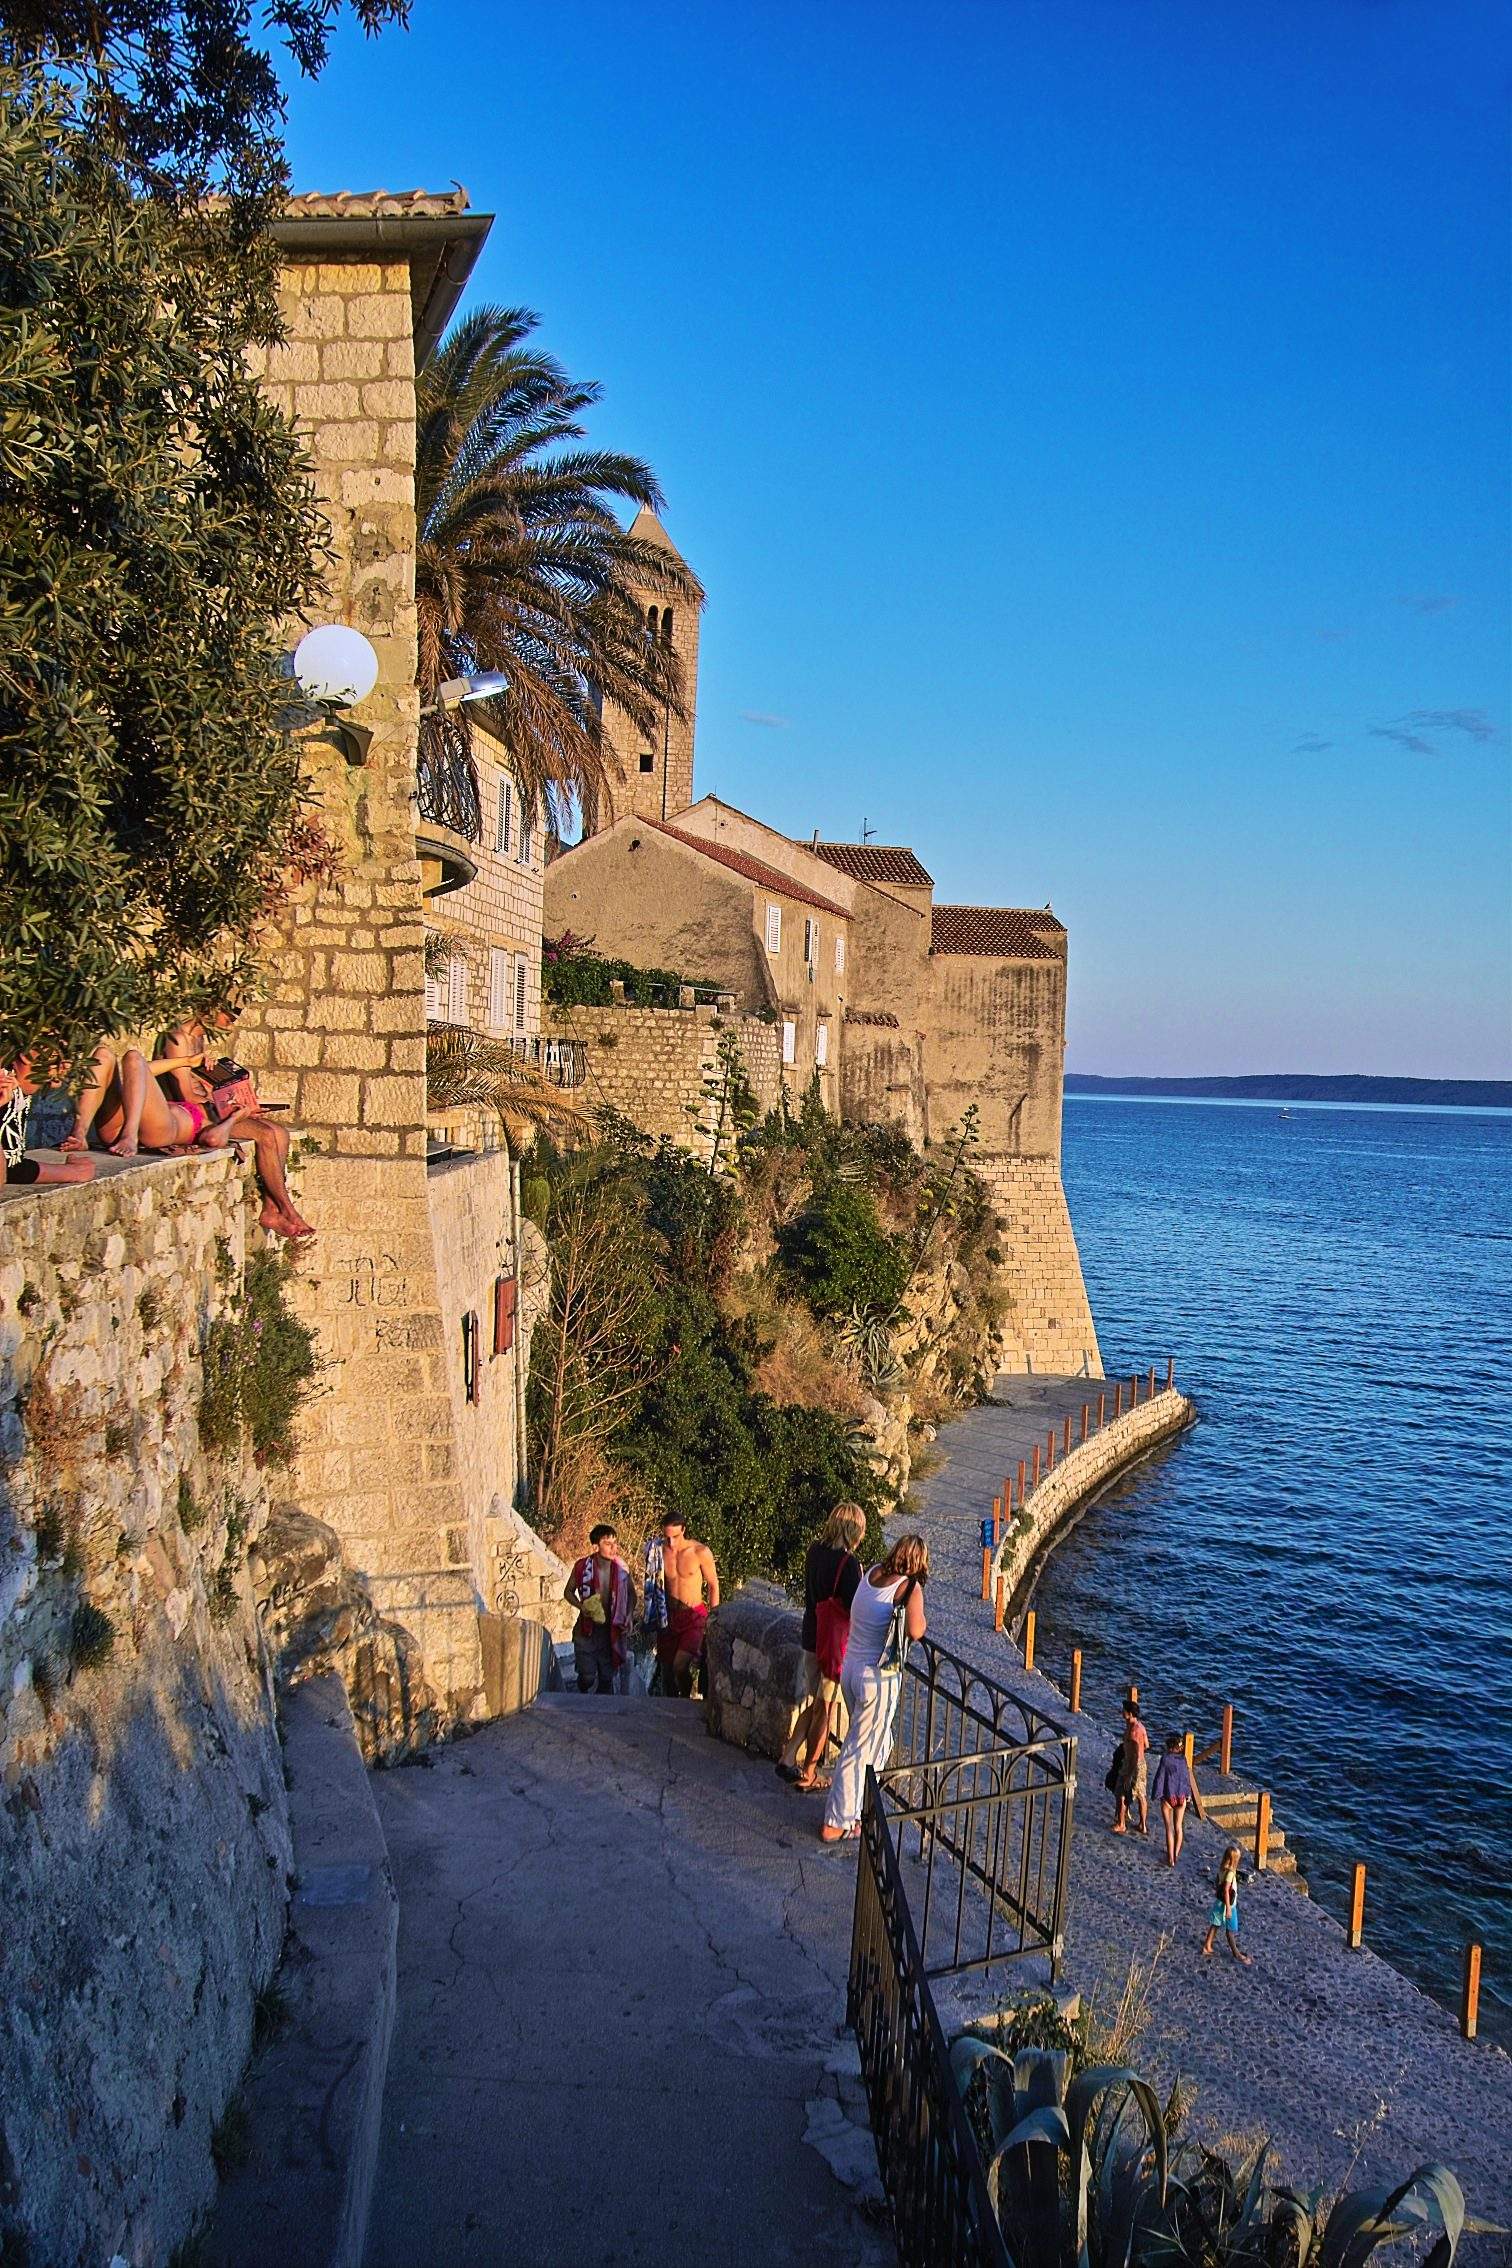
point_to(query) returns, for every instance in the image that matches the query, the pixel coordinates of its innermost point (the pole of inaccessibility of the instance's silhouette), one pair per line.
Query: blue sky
(1090, 422)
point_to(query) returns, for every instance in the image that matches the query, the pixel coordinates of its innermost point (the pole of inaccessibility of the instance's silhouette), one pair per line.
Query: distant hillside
(1302, 1086)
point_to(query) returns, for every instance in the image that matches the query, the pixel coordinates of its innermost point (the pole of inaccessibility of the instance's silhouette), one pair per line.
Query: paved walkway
(1325, 2050)
(622, 1961)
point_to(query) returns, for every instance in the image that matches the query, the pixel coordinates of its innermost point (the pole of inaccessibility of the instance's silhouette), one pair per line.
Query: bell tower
(655, 769)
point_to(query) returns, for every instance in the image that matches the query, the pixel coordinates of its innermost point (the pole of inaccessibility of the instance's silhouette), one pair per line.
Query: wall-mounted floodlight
(456, 690)
(335, 667)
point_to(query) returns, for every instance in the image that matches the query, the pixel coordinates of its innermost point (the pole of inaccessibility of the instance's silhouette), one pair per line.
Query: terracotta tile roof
(877, 862)
(880, 1016)
(377, 204)
(754, 869)
(1005, 933)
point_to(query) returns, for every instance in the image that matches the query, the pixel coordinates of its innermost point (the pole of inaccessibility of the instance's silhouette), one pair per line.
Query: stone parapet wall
(1049, 1326)
(754, 1669)
(1079, 1475)
(144, 1841)
(652, 1063)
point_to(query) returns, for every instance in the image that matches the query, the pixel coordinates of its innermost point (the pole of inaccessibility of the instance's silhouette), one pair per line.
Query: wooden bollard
(1029, 1640)
(1086, 1419)
(1189, 1750)
(1023, 1468)
(1262, 1829)
(1134, 1391)
(1001, 1607)
(1357, 1904)
(1050, 1451)
(1102, 1409)
(997, 1521)
(1150, 1396)
(1118, 1399)
(1470, 1993)
(1036, 1464)
(1076, 1654)
(1226, 1741)
(986, 1573)
(1170, 1372)
(1066, 1439)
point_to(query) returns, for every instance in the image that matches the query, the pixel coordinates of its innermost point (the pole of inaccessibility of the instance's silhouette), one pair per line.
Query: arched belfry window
(666, 626)
(651, 624)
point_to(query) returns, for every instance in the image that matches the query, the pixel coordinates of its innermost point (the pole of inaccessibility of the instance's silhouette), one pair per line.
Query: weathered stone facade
(657, 1064)
(1079, 1475)
(652, 774)
(144, 1841)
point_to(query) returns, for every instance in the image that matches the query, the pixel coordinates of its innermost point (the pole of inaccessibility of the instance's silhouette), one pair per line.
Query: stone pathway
(1328, 2052)
(620, 2038)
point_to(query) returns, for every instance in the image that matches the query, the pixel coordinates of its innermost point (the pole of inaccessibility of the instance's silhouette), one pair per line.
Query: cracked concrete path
(620, 2039)
(1348, 2068)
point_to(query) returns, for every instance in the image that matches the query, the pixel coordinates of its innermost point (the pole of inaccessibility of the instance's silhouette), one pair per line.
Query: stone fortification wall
(1049, 1326)
(144, 1842)
(651, 1063)
(1122, 1441)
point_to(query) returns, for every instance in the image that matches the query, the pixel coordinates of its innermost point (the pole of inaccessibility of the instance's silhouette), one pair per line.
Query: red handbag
(832, 1629)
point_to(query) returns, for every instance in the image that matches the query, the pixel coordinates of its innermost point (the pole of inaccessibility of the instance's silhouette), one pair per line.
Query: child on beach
(1173, 1789)
(1225, 1913)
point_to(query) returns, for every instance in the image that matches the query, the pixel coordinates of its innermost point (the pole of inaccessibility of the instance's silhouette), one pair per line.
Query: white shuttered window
(839, 955)
(506, 800)
(522, 980)
(789, 1040)
(456, 1001)
(774, 929)
(821, 1045)
(498, 989)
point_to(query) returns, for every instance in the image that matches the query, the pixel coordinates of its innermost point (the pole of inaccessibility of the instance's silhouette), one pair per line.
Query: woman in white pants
(871, 1677)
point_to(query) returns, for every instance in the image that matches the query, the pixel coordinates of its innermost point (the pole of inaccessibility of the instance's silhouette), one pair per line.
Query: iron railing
(446, 779)
(930, 2163)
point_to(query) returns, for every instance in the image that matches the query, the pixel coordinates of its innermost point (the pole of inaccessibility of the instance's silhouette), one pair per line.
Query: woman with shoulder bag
(887, 1613)
(831, 1576)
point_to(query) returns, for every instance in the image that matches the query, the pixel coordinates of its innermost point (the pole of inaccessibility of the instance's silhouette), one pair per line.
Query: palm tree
(521, 564)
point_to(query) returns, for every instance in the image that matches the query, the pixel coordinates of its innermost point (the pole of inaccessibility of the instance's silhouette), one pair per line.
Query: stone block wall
(754, 1669)
(1049, 1326)
(144, 1844)
(1122, 1441)
(651, 1063)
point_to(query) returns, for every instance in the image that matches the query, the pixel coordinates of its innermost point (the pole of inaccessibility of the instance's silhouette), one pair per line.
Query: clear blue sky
(1090, 421)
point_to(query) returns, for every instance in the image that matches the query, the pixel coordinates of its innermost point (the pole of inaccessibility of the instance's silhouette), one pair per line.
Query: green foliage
(257, 1361)
(149, 1307)
(727, 1111)
(574, 975)
(190, 1510)
(1081, 2175)
(535, 1198)
(91, 1637)
(160, 528)
(842, 1257)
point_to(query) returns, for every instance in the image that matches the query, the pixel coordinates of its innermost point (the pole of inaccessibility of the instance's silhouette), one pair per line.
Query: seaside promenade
(1348, 2068)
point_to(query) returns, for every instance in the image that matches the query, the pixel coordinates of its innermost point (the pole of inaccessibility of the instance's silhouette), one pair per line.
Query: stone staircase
(1231, 1807)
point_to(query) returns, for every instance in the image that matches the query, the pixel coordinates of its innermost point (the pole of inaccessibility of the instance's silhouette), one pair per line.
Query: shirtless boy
(692, 1595)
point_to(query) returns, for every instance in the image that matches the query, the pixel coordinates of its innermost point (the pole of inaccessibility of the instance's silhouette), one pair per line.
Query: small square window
(648, 761)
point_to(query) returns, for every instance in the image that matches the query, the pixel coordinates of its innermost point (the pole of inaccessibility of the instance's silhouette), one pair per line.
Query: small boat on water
(1286, 1114)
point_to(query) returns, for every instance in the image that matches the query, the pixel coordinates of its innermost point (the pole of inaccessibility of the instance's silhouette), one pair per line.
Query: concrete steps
(1232, 1809)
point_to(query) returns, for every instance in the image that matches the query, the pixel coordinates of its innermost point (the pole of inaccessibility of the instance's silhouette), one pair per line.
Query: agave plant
(1081, 2176)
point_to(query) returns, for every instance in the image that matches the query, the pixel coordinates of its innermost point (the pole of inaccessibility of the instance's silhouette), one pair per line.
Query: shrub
(842, 1257)
(257, 1361)
(573, 975)
(91, 1638)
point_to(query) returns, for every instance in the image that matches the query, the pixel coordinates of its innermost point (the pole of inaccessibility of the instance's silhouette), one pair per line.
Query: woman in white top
(871, 1689)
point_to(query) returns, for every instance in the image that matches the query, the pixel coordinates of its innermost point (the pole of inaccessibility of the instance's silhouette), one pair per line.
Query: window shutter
(472, 1382)
(789, 1040)
(527, 833)
(522, 980)
(774, 929)
(498, 989)
(505, 1293)
(435, 997)
(456, 991)
(506, 798)
(821, 1045)
(811, 942)
(839, 954)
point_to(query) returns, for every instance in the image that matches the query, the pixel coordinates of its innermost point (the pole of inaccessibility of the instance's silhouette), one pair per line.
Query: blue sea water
(1329, 1548)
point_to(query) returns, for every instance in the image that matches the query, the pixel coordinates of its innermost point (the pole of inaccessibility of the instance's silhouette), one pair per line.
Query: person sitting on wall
(124, 1107)
(599, 1587)
(692, 1595)
(223, 1090)
(18, 1084)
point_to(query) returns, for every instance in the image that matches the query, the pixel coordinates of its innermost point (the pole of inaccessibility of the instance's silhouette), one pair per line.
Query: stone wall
(1122, 1441)
(651, 1063)
(1049, 1326)
(754, 1669)
(144, 1842)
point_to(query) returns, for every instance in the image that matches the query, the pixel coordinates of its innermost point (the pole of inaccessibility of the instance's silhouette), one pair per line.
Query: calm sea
(1329, 1549)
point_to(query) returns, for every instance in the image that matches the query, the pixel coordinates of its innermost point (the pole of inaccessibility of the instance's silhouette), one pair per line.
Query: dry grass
(1115, 2041)
(56, 1427)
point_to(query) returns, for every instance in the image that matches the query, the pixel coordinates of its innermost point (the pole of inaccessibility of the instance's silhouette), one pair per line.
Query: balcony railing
(446, 779)
(560, 1062)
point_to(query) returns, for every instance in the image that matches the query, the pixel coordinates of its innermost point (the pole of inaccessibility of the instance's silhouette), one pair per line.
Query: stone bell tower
(656, 768)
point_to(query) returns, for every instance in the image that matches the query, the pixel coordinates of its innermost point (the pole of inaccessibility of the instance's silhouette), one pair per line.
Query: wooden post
(1001, 1607)
(997, 1522)
(1134, 1391)
(1050, 1451)
(1118, 1399)
(1132, 1696)
(1226, 1744)
(1150, 1396)
(1036, 1464)
(1170, 1372)
(1029, 1640)
(1189, 1750)
(1357, 1904)
(1066, 1439)
(1262, 1829)
(1086, 1419)
(1470, 1995)
(986, 1573)
(1076, 1654)
(1102, 1409)
(1023, 1468)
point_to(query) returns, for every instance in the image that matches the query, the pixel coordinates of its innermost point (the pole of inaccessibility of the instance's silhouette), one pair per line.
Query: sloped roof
(754, 869)
(877, 862)
(1005, 933)
(377, 204)
(647, 528)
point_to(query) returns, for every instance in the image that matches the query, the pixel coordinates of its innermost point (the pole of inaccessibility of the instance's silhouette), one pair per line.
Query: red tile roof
(877, 862)
(1003, 933)
(376, 204)
(754, 869)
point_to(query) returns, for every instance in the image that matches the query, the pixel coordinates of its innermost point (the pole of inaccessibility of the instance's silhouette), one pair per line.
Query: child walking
(1225, 1913)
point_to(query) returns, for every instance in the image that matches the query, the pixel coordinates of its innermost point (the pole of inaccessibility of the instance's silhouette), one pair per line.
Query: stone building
(652, 774)
(419, 1285)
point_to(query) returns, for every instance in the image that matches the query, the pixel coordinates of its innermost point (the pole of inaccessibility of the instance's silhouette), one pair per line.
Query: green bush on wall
(258, 1360)
(842, 1256)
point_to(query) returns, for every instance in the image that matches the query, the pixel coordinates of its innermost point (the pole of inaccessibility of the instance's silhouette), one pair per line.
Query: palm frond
(465, 1071)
